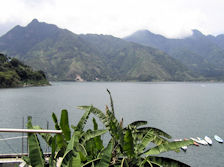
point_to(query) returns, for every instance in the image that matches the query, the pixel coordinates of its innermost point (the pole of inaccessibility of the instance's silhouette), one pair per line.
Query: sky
(120, 18)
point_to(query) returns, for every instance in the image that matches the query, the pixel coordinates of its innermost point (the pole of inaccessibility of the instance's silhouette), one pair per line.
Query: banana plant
(131, 142)
(70, 150)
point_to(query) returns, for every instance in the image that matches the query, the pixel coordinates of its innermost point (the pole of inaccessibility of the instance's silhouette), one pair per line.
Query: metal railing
(9, 130)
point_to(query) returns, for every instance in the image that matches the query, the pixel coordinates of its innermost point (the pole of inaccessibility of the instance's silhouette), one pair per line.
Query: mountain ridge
(203, 54)
(64, 55)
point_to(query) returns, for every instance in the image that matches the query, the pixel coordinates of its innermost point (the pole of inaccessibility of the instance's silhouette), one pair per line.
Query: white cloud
(172, 18)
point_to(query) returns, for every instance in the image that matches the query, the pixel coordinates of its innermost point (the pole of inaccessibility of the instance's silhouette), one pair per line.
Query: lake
(180, 109)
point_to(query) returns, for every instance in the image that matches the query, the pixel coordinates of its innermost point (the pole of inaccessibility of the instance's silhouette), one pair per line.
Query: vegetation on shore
(128, 146)
(13, 73)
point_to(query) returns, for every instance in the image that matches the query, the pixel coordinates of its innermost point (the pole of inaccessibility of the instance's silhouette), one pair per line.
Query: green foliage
(128, 146)
(35, 152)
(14, 73)
(64, 124)
(131, 141)
(106, 155)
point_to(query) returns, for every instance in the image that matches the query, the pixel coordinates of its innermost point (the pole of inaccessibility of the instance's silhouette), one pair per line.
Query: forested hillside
(204, 55)
(14, 73)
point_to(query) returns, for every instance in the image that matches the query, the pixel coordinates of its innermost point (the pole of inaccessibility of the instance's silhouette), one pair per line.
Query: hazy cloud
(172, 18)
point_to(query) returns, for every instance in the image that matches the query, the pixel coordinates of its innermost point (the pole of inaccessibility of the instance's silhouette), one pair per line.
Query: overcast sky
(171, 18)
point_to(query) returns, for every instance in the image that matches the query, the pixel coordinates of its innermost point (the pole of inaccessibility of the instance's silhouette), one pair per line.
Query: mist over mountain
(202, 54)
(64, 55)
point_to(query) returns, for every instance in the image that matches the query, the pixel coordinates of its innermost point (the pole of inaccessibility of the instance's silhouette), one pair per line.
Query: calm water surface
(180, 109)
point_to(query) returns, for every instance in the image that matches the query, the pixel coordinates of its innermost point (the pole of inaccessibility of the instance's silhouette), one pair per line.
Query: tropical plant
(66, 150)
(130, 142)
(128, 146)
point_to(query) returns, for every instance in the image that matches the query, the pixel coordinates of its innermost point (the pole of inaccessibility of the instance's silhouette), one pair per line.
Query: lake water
(180, 109)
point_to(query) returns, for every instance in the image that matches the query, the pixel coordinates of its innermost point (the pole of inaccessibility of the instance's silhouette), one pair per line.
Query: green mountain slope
(202, 54)
(64, 55)
(14, 73)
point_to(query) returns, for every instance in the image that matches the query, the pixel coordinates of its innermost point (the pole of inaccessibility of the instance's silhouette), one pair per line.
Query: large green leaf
(52, 161)
(155, 131)
(92, 151)
(128, 146)
(145, 141)
(95, 125)
(114, 127)
(111, 102)
(97, 140)
(81, 149)
(35, 152)
(83, 120)
(64, 124)
(46, 136)
(171, 146)
(54, 117)
(70, 152)
(75, 161)
(61, 144)
(166, 162)
(108, 120)
(91, 134)
(105, 156)
(96, 112)
(138, 123)
(151, 137)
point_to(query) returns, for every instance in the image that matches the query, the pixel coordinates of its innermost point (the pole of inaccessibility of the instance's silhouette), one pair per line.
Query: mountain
(202, 54)
(64, 55)
(14, 73)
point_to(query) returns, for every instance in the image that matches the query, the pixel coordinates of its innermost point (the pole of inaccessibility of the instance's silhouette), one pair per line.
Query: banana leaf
(46, 136)
(92, 151)
(54, 117)
(145, 141)
(111, 102)
(96, 112)
(171, 146)
(75, 161)
(138, 123)
(35, 152)
(114, 127)
(64, 124)
(52, 161)
(97, 140)
(128, 146)
(61, 144)
(108, 120)
(83, 120)
(91, 134)
(155, 131)
(70, 153)
(105, 156)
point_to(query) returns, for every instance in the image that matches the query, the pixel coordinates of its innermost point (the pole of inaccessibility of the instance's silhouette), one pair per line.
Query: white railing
(30, 130)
